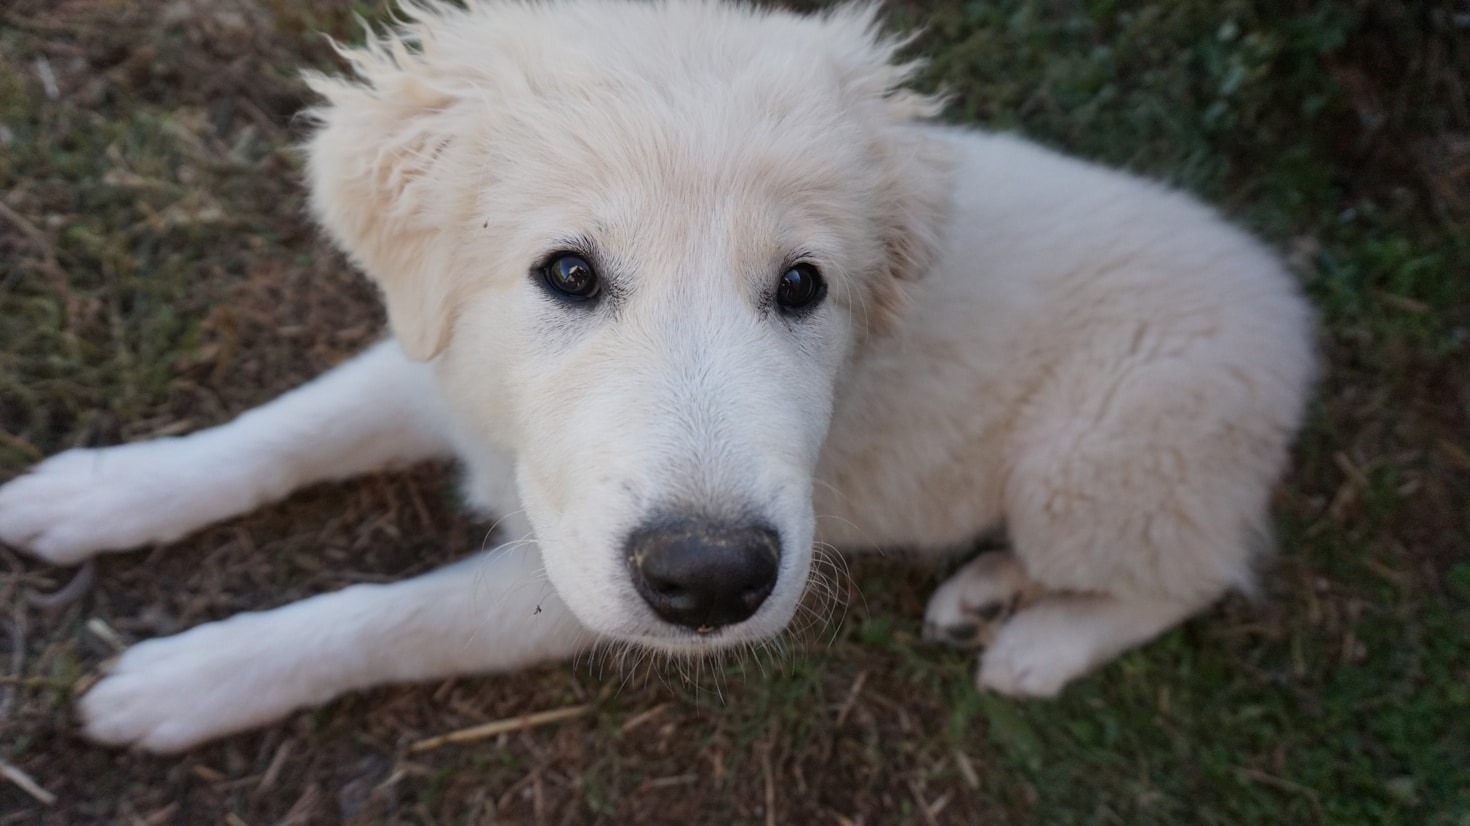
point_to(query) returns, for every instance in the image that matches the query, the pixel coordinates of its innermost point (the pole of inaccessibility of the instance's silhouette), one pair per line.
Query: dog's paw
(166, 695)
(82, 502)
(1037, 653)
(971, 606)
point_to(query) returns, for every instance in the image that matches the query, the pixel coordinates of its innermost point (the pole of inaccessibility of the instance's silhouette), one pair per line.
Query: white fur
(1011, 336)
(83, 502)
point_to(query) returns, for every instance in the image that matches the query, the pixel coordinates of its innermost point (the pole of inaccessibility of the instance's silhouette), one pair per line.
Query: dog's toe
(970, 607)
(958, 634)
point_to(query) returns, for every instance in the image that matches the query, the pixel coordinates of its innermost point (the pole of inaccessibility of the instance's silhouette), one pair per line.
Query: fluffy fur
(1010, 337)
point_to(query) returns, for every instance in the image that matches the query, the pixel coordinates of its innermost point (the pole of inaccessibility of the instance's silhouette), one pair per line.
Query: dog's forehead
(691, 170)
(683, 129)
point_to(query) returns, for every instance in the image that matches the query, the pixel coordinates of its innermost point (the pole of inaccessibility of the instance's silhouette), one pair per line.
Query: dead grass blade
(26, 784)
(499, 727)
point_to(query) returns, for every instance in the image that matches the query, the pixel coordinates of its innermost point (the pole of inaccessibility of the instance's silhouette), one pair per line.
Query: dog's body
(689, 290)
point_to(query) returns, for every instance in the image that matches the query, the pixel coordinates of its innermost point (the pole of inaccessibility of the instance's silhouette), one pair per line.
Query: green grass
(157, 274)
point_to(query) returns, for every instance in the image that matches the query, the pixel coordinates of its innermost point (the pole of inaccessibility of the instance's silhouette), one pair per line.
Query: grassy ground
(156, 275)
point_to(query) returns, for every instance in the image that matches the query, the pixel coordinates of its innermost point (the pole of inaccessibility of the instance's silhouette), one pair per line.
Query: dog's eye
(571, 278)
(800, 288)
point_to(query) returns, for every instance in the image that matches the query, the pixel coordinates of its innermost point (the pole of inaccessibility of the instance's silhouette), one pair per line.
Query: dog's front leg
(494, 612)
(377, 409)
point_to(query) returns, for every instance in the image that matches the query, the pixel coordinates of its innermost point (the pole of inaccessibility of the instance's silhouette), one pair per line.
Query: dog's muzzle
(702, 574)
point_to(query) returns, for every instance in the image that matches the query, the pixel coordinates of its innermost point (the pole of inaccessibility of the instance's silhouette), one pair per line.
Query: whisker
(485, 541)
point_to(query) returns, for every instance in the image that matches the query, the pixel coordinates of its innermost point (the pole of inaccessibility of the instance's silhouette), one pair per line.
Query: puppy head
(640, 241)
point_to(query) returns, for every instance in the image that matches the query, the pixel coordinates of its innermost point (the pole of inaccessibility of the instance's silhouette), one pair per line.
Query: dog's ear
(914, 198)
(914, 168)
(911, 205)
(379, 168)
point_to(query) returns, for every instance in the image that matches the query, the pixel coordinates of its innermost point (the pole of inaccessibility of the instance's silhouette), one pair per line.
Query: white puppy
(689, 287)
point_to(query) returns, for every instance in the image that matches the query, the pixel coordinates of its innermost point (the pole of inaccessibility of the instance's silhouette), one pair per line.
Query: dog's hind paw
(82, 502)
(1036, 654)
(970, 607)
(1061, 637)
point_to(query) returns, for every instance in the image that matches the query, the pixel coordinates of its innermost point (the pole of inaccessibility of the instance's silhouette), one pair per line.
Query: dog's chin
(682, 642)
(660, 637)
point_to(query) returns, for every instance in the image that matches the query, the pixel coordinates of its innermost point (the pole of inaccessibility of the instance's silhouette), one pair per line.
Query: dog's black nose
(702, 574)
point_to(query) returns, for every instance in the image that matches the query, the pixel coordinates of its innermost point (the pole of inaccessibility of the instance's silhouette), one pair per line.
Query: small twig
(770, 779)
(35, 235)
(499, 727)
(929, 810)
(852, 695)
(104, 632)
(47, 77)
(1350, 470)
(967, 770)
(17, 661)
(32, 682)
(643, 717)
(273, 771)
(80, 584)
(15, 442)
(1284, 785)
(30, 230)
(49, 263)
(26, 784)
(675, 780)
